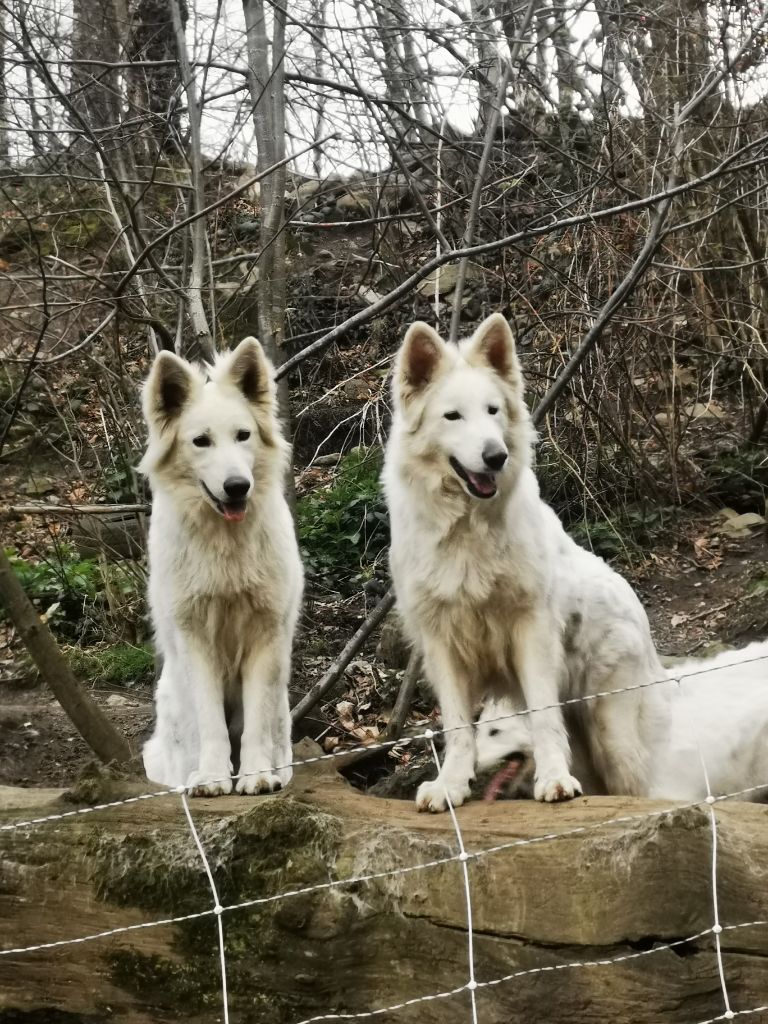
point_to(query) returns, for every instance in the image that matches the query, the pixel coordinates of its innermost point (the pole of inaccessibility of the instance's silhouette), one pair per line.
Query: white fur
(718, 714)
(492, 590)
(224, 595)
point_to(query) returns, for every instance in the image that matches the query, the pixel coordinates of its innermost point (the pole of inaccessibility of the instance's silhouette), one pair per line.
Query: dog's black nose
(494, 458)
(236, 486)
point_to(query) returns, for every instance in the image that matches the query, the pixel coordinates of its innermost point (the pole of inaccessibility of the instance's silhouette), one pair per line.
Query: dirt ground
(708, 589)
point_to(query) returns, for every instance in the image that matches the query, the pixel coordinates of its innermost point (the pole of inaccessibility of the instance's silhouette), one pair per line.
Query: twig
(474, 206)
(727, 165)
(122, 234)
(394, 730)
(404, 697)
(233, 194)
(39, 508)
(95, 728)
(323, 685)
(615, 301)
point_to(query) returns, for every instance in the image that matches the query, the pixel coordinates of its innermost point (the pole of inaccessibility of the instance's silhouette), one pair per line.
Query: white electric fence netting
(462, 857)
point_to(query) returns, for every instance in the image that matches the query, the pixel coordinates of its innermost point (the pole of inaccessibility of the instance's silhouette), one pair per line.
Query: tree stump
(599, 891)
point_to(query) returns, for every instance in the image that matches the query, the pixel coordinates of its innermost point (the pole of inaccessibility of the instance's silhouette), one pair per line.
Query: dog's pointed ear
(494, 344)
(250, 370)
(167, 390)
(421, 354)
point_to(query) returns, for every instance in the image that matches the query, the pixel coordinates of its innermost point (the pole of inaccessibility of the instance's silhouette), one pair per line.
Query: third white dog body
(225, 575)
(490, 588)
(716, 712)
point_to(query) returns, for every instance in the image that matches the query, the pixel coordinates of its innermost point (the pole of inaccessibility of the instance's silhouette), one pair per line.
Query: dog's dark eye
(242, 435)
(452, 415)
(494, 732)
(201, 441)
(493, 409)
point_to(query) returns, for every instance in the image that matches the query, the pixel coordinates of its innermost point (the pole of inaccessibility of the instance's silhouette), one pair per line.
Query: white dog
(717, 719)
(490, 588)
(225, 578)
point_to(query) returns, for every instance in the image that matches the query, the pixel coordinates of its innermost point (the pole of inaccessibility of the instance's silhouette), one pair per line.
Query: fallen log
(620, 881)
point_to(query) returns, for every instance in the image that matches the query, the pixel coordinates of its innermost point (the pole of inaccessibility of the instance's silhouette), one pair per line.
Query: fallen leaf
(704, 555)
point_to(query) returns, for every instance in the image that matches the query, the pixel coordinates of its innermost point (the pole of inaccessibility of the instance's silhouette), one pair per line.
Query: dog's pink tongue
(499, 780)
(234, 515)
(482, 482)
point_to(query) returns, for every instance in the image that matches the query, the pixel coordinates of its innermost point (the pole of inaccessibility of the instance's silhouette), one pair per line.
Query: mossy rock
(277, 845)
(337, 903)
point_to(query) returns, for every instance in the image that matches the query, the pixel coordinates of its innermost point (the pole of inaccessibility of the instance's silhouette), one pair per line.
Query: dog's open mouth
(506, 774)
(233, 511)
(480, 485)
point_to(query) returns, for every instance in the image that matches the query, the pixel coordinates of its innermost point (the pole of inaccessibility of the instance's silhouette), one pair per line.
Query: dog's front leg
(453, 693)
(266, 741)
(539, 666)
(212, 777)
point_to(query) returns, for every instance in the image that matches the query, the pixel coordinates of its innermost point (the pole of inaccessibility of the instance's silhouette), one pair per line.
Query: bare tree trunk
(391, 70)
(5, 141)
(487, 58)
(97, 731)
(266, 83)
(95, 90)
(36, 137)
(318, 47)
(151, 90)
(203, 345)
(565, 69)
(756, 248)
(400, 68)
(608, 11)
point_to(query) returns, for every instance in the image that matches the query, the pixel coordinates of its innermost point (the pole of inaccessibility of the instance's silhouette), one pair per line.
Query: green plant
(739, 479)
(118, 482)
(58, 575)
(77, 594)
(344, 527)
(119, 664)
(625, 535)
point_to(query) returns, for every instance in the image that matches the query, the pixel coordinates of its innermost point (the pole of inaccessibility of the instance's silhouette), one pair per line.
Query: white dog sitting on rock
(225, 578)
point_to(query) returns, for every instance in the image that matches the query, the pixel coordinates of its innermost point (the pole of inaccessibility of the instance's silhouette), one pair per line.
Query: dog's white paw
(555, 788)
(209, 783)
(285, 775)
(431, 796)
(252, 783)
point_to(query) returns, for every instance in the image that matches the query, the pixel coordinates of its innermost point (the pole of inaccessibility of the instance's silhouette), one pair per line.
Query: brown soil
(40, 746)
(710, 590)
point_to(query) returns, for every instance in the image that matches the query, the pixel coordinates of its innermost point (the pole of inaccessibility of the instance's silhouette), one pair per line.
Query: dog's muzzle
(479, 485)
(233, 509)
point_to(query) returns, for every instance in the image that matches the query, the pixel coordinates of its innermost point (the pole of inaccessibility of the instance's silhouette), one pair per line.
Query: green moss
(253, 855)
(194, 987)
(277, 846)
(116, 665)
(169, 982)
(79, 230)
